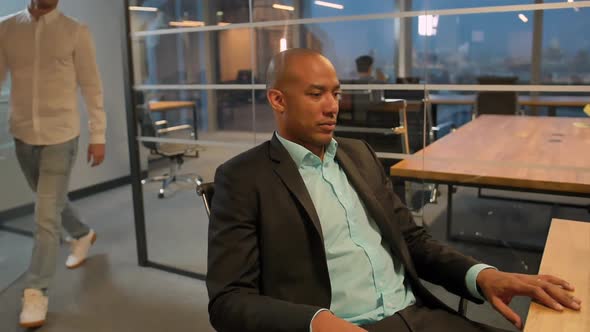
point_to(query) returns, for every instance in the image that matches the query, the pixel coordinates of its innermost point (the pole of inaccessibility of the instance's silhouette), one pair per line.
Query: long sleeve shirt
(48, 59)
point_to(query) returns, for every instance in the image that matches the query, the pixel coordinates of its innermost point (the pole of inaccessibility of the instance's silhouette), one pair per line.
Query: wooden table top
(521, 152)
(158, 106)
(469, 99)
(566, 255)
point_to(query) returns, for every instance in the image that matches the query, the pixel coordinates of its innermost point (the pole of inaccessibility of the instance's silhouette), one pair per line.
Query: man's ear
(276, 99)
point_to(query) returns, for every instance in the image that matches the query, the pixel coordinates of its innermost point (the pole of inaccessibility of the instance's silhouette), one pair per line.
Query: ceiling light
(329, 4)
(283, 7)
(523, 18)
(283, 44)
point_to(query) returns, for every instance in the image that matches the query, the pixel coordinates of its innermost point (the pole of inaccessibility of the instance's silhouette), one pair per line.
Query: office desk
(165, 106)
(520, 153)
(549, 101)
(566, 255)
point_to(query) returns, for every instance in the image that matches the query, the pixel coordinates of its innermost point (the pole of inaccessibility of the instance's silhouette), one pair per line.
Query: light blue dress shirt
(367, 280)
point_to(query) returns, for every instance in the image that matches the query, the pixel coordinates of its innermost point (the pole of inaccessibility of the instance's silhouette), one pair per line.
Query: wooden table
(549, 101)
(520, 153)
(566, 255)
(164, 106)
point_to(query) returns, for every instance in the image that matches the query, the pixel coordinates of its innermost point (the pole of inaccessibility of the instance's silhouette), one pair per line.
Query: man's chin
(325, 138)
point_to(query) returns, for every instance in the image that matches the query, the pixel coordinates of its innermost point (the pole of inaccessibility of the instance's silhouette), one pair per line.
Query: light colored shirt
(47, 60)
(367, 280)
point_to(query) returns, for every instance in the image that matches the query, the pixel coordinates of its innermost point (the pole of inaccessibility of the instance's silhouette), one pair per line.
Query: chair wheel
(160, 195)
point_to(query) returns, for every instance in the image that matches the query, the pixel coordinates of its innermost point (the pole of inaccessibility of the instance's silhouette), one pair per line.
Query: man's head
(303, 91)
(44, 4)
(363, 64)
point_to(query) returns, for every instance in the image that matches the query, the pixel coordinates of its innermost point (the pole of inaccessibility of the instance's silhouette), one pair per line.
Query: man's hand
(500, 287)
(326, 322)
(95, 154)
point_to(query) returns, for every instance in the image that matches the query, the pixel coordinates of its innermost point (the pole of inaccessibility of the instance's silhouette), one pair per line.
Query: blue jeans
(47, 169)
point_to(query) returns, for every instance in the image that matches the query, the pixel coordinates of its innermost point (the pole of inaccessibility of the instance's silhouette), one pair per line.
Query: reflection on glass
(459, 49)
(149, 15)
(453, 4)
(341, 42)
(193, 58)
(276, 10)
(566, 48)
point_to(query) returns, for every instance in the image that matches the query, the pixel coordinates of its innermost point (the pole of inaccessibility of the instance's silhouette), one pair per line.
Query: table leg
(195, 122)
(449, 210)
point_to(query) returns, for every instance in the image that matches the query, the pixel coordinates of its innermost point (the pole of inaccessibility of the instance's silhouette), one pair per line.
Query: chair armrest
(174, 128)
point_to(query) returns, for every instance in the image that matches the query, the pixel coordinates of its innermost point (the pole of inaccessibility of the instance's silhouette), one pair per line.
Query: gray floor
(112, 293)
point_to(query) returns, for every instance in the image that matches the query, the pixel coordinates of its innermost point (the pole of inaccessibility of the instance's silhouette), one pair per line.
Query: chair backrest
(407, 80)
(147, 127)
(206, 191)
(496, 102)
(416, 125)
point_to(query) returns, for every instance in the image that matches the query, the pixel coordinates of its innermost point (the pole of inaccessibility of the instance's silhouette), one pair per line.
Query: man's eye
(315, 94)
(338, 95)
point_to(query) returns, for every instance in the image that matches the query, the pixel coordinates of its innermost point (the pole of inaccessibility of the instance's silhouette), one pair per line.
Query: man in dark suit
(307, 235)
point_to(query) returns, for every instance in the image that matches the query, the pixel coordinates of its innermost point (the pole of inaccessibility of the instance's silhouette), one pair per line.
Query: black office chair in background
(497, 102)
(174, 152)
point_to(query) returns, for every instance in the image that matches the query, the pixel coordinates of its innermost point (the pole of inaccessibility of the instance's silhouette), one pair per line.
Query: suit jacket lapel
(286, 169)
(389, 230)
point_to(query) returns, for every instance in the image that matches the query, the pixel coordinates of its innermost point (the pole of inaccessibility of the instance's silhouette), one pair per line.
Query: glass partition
(473, 108)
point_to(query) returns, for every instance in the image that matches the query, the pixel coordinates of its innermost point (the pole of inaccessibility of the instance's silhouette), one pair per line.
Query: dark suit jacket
(267, 268)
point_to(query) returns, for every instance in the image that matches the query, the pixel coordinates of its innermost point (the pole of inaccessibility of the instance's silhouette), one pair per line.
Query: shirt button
(389, 305)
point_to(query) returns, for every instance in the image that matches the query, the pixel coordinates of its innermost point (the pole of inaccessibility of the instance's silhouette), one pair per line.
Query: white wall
(104, 18)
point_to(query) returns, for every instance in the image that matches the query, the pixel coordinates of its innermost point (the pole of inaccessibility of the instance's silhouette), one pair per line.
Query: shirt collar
(302, 156)
(47, 18)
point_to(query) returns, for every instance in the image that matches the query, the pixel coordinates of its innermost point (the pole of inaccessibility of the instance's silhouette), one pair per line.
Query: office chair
(206, 191)
(497, 102)
(422, 131)
(174, 152)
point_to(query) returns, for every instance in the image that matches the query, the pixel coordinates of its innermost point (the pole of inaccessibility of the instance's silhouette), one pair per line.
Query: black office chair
(206, 191)
(174, 152)
(497, 102)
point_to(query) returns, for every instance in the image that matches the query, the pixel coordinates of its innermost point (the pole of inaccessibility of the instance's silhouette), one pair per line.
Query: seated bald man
(306, 233)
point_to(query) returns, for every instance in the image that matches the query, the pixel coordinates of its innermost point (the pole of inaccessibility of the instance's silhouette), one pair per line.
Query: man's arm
(440, 264)
(233, 268)
(89, 81)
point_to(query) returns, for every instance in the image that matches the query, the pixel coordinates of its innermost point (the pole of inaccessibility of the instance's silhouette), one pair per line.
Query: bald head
(283, 66)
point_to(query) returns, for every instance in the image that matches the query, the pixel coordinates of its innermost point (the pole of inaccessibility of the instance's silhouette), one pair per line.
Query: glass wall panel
(216, 57)
(457, 49)
(504, 161)
(271, 10)
(488, 204)
(565, 55)
(177, 158)
(455, 4)
(341, 42)
(148, 15)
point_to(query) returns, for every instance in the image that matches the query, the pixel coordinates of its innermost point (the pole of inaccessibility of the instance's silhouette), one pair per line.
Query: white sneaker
(34, 308)
(79, 250)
